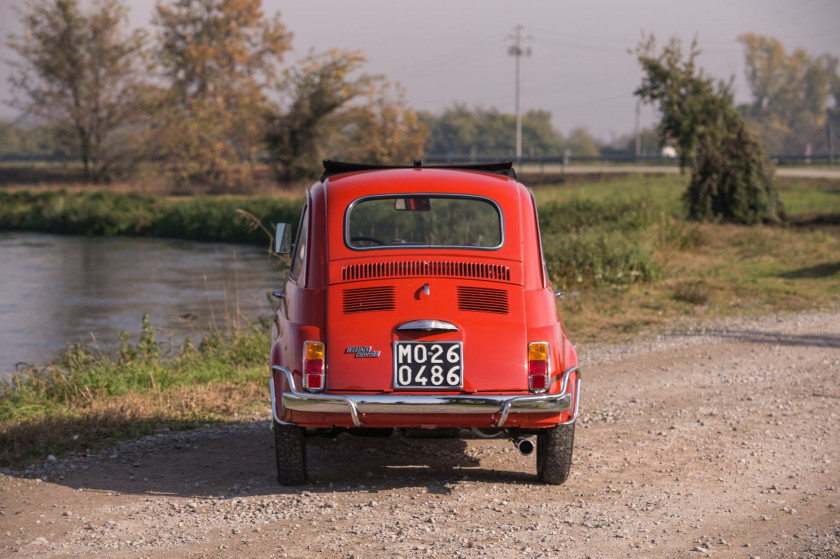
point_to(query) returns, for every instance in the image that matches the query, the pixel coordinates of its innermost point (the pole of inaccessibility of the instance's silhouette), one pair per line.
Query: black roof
(338, 167)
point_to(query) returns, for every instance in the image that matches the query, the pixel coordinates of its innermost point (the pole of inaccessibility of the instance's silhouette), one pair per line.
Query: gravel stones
(686, 444)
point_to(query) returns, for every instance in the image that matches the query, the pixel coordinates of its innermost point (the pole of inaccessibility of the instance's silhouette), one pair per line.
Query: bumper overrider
(362, 404)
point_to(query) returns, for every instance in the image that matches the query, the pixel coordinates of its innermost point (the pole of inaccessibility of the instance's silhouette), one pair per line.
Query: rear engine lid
(375, 328)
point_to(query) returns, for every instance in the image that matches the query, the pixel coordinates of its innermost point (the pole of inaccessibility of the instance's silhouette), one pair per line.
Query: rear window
(423, 220)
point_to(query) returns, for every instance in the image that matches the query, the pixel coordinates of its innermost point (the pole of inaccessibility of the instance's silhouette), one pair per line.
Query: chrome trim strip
(419, 403)
(566, 375)
(428, 325)
(274, 404)
(304, 401)
(505, 413)
(577, 402)
(563, 386)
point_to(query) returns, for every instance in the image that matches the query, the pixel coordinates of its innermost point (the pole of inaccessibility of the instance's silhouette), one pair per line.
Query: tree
(385, 130)
(581, 142)
(315, 92)
(626, 144)
(11, 138)
(539, 138)
(218, 58)
(831, 64)
(17, 138)
(83, 73)
(732, 178)
(790, 93)
(460, 131)
(455, 131)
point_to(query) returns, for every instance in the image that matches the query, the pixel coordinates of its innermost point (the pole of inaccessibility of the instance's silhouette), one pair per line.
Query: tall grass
(590, 259)
(103, 213)
(87, 398)
(589, 243)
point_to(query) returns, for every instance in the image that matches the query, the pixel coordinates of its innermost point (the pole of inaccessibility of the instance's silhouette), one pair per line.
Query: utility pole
(518, 51)
(638, 129)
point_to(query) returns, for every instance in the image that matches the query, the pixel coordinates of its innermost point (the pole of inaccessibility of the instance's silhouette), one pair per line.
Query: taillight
(538, 369)
(313, 366)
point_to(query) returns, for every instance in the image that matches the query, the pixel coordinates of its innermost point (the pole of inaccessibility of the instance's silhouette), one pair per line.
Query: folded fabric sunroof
(338, 167)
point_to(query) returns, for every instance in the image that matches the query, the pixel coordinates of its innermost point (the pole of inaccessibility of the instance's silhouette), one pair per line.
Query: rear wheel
(554, 453)
(290, 449)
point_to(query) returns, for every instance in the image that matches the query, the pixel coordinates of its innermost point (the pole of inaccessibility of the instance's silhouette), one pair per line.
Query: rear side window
(423, 220)
(299, 258)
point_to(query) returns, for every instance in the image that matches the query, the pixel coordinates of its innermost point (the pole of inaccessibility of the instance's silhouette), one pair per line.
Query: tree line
(795, 96)
(208, 95)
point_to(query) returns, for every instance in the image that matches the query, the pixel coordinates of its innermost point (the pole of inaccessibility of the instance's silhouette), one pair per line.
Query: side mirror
(283, 238)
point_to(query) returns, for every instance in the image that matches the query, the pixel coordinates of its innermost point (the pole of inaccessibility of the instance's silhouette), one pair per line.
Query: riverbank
(87, 399)
(102, 213)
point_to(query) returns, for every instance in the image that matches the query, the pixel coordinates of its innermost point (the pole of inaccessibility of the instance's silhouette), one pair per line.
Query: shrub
(623, 215)
(595, 258)
(731, 174)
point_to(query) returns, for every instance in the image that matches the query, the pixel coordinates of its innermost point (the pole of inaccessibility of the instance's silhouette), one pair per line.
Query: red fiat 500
(418, 299)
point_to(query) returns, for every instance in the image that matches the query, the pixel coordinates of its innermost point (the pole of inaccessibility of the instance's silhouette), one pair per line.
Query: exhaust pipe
(525, 446)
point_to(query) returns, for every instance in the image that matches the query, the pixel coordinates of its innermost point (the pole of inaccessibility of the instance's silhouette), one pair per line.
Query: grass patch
(732, 270)
(590, 259)
(809, 196)
(631, 262)
(692, 292)
(663, 191)
(87, 399)
(102, 213)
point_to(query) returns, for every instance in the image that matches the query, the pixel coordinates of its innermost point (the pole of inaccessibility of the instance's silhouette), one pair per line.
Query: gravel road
(719, 441)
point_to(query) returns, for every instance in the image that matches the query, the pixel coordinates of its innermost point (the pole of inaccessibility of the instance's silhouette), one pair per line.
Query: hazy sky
(457, 50)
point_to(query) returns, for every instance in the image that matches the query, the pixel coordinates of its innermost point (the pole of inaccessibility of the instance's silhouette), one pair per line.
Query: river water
(59, 290)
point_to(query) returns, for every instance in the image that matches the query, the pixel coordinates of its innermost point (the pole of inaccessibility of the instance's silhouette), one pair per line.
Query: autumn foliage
(207, 99)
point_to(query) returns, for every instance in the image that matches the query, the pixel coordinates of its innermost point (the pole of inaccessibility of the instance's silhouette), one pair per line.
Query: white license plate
(428, 365)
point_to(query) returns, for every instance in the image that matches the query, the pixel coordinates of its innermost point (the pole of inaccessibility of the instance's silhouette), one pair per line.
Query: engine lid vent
(439, 268)
(368, 299)
(483, 299)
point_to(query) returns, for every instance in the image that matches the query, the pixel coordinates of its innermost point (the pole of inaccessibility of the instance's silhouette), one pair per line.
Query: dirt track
(722, 443)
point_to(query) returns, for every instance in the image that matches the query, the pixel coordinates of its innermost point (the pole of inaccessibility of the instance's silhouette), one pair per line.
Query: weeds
(589, 243)
(86, 398)
(593, 259)
(579, 214)
(114, 214)
(693, 292)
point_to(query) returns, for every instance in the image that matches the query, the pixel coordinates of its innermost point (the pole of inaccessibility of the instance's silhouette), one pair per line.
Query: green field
(664, 267)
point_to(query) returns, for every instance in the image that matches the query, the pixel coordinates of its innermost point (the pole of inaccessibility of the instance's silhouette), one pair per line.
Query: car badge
(362, 351)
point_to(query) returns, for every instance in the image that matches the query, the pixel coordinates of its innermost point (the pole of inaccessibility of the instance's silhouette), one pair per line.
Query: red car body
(446, 322)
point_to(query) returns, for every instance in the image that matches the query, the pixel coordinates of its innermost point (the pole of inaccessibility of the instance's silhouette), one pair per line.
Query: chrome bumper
(356, 404)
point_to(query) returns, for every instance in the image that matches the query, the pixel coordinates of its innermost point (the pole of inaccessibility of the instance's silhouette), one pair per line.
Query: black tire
(554, 453)
(290, 449)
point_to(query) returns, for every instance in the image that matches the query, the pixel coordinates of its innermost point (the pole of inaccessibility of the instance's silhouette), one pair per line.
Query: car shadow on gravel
(399, 461)
(237, 459)
(773, 338)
